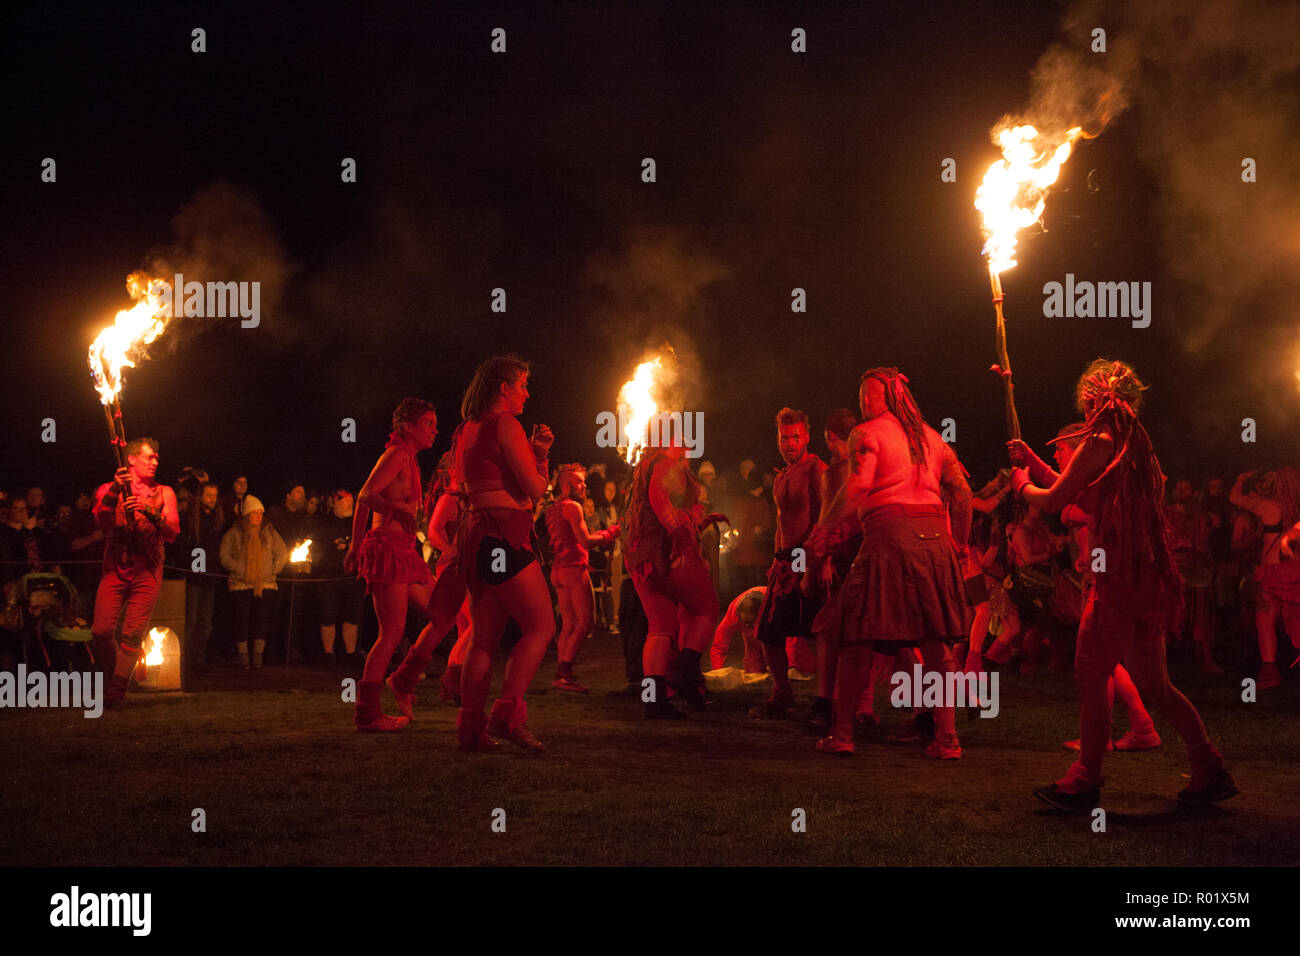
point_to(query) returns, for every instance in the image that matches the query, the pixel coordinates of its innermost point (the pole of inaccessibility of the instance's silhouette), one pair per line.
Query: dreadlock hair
(486, 384)
(841, 423)
(1130, 518)
(409, 410)
(899, 401)
(1286, 489)
(1108, 377)
(790, 416)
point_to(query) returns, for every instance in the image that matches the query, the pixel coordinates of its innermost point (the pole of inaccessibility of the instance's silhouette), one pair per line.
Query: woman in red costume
(1115, 480)
(502, 473)
(389, 557)
(662, 556)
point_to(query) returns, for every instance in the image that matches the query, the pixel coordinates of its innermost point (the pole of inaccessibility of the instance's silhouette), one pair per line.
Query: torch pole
(1004, 360)
(112, 435)
(119, 429)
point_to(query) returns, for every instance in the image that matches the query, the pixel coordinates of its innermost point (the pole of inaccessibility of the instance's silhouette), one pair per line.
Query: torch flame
(1014, 192)
(132, 330)
(636, 396)
(155, 656)
(299, 554)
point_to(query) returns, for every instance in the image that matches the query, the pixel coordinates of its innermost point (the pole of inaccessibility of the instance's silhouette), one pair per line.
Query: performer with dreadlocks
(1114, 477)
(388, 558)
(569, 571)
(1142, 733)
(662, 557)
(786, 613)
(905, 588)
(503, 471)
(1276, 502)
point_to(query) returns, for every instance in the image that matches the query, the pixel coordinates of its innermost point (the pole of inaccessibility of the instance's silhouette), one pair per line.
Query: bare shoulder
(508, 427)
(865, 436)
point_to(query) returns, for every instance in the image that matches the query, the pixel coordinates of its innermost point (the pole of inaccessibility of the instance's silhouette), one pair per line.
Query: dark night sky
(522, 170)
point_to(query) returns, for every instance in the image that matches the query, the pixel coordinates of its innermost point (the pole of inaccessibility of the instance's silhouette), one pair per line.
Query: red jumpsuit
(133, 570)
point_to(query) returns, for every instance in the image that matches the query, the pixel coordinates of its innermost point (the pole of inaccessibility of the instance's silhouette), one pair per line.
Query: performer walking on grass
(1115, 479)
(503, 472)
(447, 508)
(662, 557)
(842, 544)
(787, 615)
(569, 570)
(389, 558)
(905, 587)
(138, 515)
(1142, 733)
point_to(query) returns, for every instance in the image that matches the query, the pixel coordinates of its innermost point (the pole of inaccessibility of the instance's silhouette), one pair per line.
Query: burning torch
(1012, 196)
(117, 345)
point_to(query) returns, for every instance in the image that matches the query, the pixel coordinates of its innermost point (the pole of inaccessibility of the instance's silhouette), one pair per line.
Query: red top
(126, 546)
(482, 465)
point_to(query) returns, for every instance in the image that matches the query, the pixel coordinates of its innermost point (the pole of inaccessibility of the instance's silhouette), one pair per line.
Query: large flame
(299, 554)
(133, 329)
(637, 396)
(155, 656)
(1014, 192)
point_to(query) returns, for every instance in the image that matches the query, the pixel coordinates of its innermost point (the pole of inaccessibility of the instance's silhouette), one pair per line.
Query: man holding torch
(139, 516)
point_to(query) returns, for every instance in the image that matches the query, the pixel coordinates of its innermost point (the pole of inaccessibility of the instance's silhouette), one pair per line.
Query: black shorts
(786, 615)
(340, 599)
(496, 553)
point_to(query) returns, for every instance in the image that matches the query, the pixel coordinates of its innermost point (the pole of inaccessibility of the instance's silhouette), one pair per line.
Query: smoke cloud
(224, 235)
(652, 292)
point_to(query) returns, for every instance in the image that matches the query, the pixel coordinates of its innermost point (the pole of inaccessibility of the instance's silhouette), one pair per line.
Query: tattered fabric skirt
(390, 556)
(906, 583)
(493, 545)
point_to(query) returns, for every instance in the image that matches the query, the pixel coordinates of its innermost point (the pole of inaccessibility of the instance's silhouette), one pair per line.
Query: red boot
(471, 731)
(507, 722)
(370, 717)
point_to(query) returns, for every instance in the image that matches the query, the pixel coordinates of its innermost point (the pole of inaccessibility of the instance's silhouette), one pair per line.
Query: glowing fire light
(299, 554)
(133, 329)
(1014, 192)
(641, 406)
(155, 656)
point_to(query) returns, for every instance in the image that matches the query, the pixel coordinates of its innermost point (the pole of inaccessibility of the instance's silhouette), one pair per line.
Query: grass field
(283, 779)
